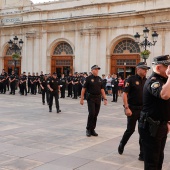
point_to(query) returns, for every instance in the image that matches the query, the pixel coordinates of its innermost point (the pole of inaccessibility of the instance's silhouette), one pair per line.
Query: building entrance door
(62, 65)
(124, 65)
(9, 65)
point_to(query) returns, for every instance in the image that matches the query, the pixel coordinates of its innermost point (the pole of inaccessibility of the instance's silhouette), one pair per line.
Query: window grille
(63, 63)
(63, 48)
(127, 45)
(125, 62)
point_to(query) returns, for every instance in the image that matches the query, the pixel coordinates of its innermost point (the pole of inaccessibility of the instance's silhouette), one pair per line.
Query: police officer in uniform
(23, 82)
(12, 79)
(43, 84)
(70, 85)
(114, 84)
(54, 86)
(95, 90)
(63, 81)
(75, 82)
(155, 115)
(132, 99)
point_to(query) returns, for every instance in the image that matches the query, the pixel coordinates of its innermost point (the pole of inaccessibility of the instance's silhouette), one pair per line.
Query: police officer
(23, 84)
(132, 99)
(43, 84)
(12, 79)
(54, 86)
(63, 81)
(75, 82)
(70, 85)
(155, 115)
(114, 84)
(33, 84)
(95, 90)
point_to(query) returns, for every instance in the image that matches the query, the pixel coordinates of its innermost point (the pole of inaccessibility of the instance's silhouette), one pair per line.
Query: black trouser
(44, 93)
(29, 87)
(33, 88)
(93, 108)
(75, 90)
(3, 87)
(70, 88)
(12, 87)
(23, 88)
(63, 89)
(55, 95)
(131, 124)
(115, 94)
(154, 147)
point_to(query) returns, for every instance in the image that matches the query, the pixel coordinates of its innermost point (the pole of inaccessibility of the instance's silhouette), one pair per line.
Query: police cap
(164, 59)
(95, 67)
(142, 65)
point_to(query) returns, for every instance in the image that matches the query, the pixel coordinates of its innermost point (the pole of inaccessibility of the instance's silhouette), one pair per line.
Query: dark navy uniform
(75, 82)
(70, 85)
(3, 83)
(156, 111)
(12, 79)
(93, 85)
(63, 81)
(23, 84)
(54, 84)
(43, 84)
(134, 92)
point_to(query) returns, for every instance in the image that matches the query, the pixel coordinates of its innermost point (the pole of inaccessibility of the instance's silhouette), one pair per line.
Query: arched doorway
(125, 57)
(62, 59)
(9, 63)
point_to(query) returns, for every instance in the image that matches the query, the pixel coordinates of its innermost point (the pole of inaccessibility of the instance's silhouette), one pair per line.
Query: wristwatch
(126, 107)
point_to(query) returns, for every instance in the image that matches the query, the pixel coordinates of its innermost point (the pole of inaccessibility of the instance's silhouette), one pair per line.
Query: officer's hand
(128, 112)
(168, 71)
(168, 125)
(81, 101)
(105, 102)
(51, 90)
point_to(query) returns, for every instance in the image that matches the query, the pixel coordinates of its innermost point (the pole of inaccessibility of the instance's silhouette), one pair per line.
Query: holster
(153, 126)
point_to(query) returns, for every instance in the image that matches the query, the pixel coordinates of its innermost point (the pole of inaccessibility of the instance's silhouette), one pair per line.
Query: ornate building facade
(72, 35)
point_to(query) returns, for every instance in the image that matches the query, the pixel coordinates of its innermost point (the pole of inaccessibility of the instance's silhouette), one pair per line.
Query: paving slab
(31, 138)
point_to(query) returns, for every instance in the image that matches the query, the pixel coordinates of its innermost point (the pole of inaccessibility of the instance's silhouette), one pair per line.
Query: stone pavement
(31, 138)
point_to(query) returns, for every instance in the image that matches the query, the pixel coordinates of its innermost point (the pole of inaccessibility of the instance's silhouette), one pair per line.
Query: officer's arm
(125, 99)
(49, 87)
(82, 93)
(103, 94)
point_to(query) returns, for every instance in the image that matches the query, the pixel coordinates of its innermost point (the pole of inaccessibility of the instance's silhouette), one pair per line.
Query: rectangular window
(63, 62)
(126, 62)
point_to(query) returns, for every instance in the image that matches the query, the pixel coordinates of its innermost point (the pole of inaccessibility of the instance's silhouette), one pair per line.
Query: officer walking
(43, 84)
(94, 87)
(132, 99)
(54, 86)
(155, 115)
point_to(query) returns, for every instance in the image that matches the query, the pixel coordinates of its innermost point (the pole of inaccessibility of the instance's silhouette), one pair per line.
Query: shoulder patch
(155, 85)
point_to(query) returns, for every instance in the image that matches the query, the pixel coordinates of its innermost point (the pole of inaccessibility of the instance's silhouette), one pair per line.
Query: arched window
(127, 45)
(63, 49)
(11, 51)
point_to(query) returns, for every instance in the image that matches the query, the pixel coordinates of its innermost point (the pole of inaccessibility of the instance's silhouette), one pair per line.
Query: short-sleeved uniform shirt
(93, 85)
(12, 76)
(156, 107)
(54, 83)
(134, 87)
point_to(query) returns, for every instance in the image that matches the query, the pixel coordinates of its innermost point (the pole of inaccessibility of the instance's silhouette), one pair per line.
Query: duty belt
(136, 107)
(95, 95)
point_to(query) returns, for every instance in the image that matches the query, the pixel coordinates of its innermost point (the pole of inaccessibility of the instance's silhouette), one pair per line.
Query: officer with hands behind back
(155, 115)
(54, 86)
(94, 87)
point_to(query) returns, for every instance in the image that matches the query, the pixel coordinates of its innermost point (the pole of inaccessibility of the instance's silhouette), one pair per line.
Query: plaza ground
(31, 138)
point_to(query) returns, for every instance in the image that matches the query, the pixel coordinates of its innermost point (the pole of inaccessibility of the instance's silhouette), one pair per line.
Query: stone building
(72, 35)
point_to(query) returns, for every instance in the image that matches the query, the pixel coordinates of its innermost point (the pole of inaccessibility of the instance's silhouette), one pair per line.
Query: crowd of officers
(36, 83)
